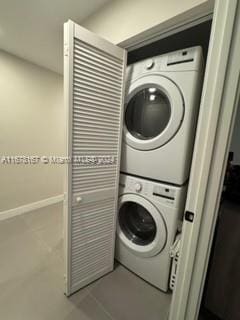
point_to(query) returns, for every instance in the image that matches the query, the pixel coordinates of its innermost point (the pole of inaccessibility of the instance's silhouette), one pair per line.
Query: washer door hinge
(189, 216)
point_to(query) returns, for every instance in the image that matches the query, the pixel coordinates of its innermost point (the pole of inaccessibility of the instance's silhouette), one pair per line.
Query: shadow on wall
(191, 37)
(32, 123)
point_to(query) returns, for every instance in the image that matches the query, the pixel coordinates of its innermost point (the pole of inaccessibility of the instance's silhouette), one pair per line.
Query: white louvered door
(93, 89)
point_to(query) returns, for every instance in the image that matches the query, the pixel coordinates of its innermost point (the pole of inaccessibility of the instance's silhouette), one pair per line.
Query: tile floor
(31, 278)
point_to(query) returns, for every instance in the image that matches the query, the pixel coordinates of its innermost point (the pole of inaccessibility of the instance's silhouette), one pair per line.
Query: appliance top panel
(156, 191)
(190, 59)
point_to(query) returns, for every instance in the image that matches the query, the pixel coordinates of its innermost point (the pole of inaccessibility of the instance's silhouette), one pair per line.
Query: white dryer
(160, 117)
(148, 217)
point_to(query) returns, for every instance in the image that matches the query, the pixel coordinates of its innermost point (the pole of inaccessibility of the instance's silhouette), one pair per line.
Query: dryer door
(140, 227)
(154, 111)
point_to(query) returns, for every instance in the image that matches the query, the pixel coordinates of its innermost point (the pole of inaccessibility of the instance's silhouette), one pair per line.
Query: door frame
(68, 101)
(227, 115)
(197, 235)
(181, 22)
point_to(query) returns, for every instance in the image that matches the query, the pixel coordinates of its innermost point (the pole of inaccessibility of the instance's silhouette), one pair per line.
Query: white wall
(235, 143)
(32, 123)
(119, 20)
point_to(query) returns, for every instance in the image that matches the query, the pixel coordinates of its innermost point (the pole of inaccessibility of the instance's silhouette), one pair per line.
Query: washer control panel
(164, 191)
(168, 194)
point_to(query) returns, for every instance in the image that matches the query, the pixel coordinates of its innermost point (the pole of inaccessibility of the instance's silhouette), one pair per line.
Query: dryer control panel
(189, 59)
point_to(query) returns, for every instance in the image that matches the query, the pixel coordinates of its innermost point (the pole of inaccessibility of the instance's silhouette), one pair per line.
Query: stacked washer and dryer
(160, 118)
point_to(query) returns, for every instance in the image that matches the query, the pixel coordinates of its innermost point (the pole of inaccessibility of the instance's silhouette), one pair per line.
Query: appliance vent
(174, 254)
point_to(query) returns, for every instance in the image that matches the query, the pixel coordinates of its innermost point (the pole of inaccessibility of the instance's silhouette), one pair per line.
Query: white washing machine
(161, 110)
(148, 217)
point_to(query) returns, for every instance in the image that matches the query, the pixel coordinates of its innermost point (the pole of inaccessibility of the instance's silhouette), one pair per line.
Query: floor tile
(38, 296)
(44, 217)
(12, 228)
(32, 284)
(125, 296)
(88, 309)
(47, 225)
(21, 255)
(52, 238)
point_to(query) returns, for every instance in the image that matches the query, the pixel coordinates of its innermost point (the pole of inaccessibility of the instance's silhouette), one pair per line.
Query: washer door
(140, 226)
(154, 111)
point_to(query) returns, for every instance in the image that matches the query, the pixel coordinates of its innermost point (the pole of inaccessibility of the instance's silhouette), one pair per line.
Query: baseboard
(29, 207)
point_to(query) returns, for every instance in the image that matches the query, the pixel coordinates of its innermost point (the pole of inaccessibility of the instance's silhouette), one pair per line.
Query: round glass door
(154, 111)
(140, 225)
(147, 113)
(137, 223)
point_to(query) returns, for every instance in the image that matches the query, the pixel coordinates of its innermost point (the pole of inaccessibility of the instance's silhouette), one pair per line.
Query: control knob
(149, 64)
(138, 187)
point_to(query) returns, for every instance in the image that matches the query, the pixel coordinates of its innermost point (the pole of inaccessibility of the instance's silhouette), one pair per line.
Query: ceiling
(33, 29)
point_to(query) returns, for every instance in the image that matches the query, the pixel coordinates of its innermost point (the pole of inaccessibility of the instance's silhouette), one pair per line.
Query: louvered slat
(92, 228)
(96, 72)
